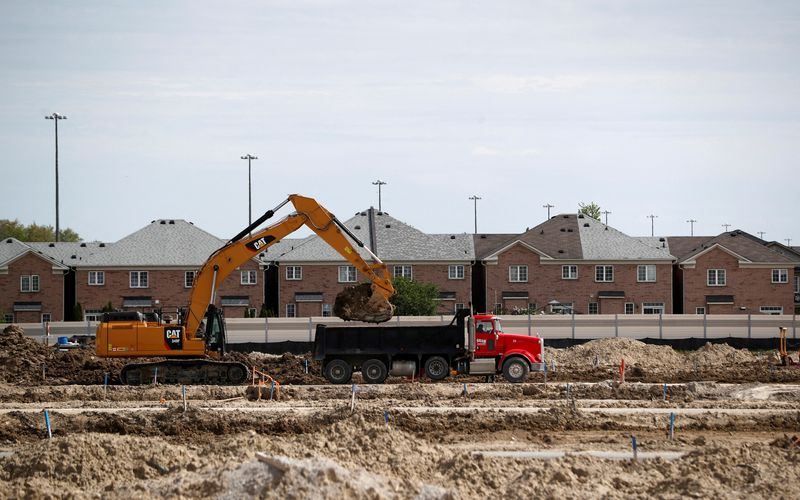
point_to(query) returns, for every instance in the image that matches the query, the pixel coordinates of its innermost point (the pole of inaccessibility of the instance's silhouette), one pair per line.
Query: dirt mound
(362, 303)
(611, 351)
(721, 354)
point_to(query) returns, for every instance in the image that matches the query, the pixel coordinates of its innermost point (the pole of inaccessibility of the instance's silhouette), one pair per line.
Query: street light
(379, 183)
(55, 117)
(475, 198)
(249, 159)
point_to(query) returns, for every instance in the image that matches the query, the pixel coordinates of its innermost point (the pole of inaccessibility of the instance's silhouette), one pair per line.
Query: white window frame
(93, 314)
(47, 318)
(717, 273)
(797, 284)
(781, 274)
(562, 308)
(33, 283)
(606, 273)
(515, 273)
(700, 310)
(248, 277)
(596, 308)
(99, 278)
(567, 272)
(138, 281)
(294, 273)
(458, 305)
(348, 274)
(187, 281)
(8, 318)
(291, 310)
(653, 307)
(252, 312)
(771, 309)
(631, 306)
(644, 269)
(403, 270)
(327, 311)
(455, 272)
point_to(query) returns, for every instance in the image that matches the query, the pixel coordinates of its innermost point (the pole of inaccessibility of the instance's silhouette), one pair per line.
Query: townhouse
(732, 273)
(575, 264)
(311, 273)
(31, 284)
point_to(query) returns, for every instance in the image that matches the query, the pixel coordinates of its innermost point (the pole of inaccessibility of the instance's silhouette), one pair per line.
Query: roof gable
(742, 245)
(11, 249)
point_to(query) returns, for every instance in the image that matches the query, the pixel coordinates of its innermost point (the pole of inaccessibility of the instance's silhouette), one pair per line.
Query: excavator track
(185, 371)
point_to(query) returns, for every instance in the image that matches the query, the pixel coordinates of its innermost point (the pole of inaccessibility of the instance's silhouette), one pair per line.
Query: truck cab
(495, 351)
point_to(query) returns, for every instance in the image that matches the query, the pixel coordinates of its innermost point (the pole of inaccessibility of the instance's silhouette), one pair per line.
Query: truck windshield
(497, 326)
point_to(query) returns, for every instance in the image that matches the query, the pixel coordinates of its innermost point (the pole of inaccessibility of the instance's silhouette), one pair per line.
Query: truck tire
(436, 368)
(374, 371)
(516, 370)
(338, 371)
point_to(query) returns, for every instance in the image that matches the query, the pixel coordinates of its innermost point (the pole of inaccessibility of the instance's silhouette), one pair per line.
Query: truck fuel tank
(485, 366)
(403, 368)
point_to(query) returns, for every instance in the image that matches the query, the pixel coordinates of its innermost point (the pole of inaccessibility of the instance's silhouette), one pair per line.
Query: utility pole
(761, 234)
(726, 226)
(55, 117)
(548, 207)
(249, 159)
(606, 212)
(379, 183)
(475, 199)
(788, 242)
(691, 226)
(652, 223)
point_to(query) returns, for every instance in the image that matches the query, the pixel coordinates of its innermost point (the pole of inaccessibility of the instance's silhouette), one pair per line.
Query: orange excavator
(193, 347)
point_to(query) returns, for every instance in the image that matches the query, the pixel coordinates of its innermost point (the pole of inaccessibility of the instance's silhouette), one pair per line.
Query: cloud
(481, 150)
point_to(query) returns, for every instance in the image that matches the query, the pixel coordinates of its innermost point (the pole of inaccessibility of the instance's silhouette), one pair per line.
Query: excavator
(194, 346)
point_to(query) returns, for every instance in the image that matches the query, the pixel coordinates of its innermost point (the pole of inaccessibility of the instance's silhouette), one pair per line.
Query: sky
(679, 109)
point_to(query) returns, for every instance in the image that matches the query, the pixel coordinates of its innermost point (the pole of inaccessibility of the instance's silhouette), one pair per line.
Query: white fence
(636, 326)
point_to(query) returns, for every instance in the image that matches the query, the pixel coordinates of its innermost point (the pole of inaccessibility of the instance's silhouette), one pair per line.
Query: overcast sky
(685, 110)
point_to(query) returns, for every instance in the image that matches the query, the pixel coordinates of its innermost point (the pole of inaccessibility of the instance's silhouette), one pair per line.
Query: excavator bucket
(363, 303)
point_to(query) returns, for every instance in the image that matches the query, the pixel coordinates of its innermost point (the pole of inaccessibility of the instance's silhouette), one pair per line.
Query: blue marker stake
(47, 424)
(272, 390)
(633, 444)
(464, 391)
(183, 392)
(545, 372)
(105, 381)
(386, 417)
(306, 363)
(671, 425)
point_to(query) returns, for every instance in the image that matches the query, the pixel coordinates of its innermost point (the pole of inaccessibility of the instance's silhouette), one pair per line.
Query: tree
(34, 232)
(591, 210)
(265, 312)
(77, 312)
(414, 298)
(107, 308)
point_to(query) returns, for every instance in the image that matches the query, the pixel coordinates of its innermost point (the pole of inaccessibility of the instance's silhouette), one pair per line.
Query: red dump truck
(474, 345)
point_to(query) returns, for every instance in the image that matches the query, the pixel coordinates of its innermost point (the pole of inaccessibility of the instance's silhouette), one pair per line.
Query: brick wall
(167, 286)
(751, 287)
(545, 283)
(50, 294)
(324, 279)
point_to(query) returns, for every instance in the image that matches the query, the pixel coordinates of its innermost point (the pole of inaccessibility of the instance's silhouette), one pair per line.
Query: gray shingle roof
(602, 242)
(12, 248)
(742, 244)
(395, 241)
(69, 253)
(164, 242)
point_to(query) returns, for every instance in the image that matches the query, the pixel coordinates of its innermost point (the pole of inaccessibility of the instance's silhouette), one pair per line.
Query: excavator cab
(214, 333)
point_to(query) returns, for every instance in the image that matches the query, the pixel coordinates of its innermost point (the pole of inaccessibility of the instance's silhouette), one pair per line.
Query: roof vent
(162, 222)
(380, 213)
(51, 245)
(734, 234)
(83, 245)
(569, 230)
(541, 232)
(580, 216)
(585, 224)
(566, 216)
(452, 237)
(483, 236)
(172, 222)
(8, 240)
(563, 230)
(561, 251)
(74, 256)
(364, 213)
(357, 227)
(152, 222)
(102, 245)
(606, 228)
(661, 239)
(388, 226)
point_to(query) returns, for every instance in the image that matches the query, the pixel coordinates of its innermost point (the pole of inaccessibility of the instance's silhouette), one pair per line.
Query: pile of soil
(286, 368)
(721, 354)
(359, 303)
(612, 350)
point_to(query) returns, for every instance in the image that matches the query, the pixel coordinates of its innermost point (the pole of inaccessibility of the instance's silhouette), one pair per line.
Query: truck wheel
(436, 368)
(374, 371)
(338, 371)
(515, 370)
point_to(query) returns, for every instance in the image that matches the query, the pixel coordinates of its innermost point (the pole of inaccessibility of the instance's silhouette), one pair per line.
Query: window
(8, 318)
(249, 277)
(498, 309)
(700, 310)
(518, 273)
(797, 284)
(459, 306)
(455, 272)
(646, 273)
(326, 310)
(46, 317)
(291, 311)
(93, 315)
(294, 273)
(563, 308)
(188, 279)
(629, 307)
(604, 273)
(251, 312)
(569, 272)
(653, 308)
(138, 279)
(771, 310)
(780, 275)
(29, 283)
(402, 271)
(347, 274)
(594, 308)
(97, 278)
(716, 277)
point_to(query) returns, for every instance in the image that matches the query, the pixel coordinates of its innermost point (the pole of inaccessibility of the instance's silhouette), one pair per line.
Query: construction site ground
(736, 429)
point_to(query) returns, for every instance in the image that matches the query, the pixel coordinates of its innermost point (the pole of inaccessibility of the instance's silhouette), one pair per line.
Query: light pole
(606, 212)
(761, 234)
(249, 159)
(548, 207)
(475, 199)
(726, 226)
(379, 183)
(55, 117)
(691, 226)
(652, 223)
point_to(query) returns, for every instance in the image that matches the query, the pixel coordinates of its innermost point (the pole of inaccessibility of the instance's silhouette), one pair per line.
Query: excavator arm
(247, 244)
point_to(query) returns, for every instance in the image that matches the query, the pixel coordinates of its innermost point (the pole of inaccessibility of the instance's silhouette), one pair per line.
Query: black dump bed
(447, 340)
